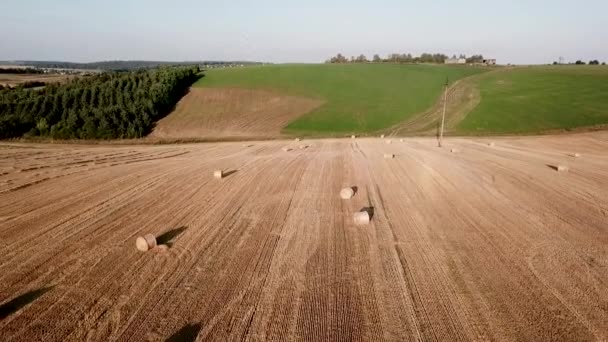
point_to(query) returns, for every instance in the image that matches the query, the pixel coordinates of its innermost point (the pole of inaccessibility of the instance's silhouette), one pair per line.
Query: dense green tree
(475, 59)
(104, 106)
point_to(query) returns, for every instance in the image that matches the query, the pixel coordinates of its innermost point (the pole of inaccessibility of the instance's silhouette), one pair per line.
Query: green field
(537, 99)
(358, 98)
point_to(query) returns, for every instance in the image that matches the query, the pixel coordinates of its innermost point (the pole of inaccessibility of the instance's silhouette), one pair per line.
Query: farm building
(489, 61)
(455, 61)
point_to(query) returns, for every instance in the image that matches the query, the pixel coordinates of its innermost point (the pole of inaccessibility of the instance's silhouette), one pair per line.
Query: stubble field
(490, 243)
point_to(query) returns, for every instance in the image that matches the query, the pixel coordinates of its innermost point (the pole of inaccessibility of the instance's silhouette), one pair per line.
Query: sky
(308, 31)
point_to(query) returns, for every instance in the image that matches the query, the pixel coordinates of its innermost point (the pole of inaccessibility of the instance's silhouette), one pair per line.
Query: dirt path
(463, 97)
(487, 244)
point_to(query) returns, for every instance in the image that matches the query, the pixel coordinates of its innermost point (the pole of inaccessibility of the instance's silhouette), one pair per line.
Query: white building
(455, 61)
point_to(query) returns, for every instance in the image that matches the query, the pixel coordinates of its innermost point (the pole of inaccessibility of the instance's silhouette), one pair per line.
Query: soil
(14, 80)
(231, 112)
(488, 244)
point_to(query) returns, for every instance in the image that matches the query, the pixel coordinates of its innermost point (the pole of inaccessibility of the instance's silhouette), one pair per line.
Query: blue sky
(517, 31)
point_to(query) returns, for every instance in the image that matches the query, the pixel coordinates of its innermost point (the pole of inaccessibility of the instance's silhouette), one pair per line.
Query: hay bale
(388, 142)
(297, 139)
(576, 155)
(389, 156)
(382, 136)
(492, 144)
(141, 244)
(219, 174)
(454, 150)
(562, 168)
(347, 193)
(400, 140)
(361, 218)
(286, 149)
(303, 147)
(352, 137)
(145, 243)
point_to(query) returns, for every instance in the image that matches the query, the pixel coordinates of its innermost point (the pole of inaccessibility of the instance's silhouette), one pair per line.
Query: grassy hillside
(535, 99)
(357, 98)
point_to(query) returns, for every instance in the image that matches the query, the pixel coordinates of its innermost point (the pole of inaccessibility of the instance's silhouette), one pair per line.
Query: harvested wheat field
(489, 244)
(232, 112)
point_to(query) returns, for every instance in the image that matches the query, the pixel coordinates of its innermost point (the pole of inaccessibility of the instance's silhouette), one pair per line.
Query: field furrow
(489, 243)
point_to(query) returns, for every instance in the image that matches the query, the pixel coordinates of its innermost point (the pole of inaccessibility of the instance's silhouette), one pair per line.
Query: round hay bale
(492, 144)
(389, 156)
(347, 193)
(219, 174)
(576, 155)
(361, 218)
(141, 244)
(302, 147)
(151, 240)
(353, 137)
(400, 140)
(297, 139)
(286, 149)
(382, 136)
(562, 168)
(389, 142)
(454, 150)
(145, 243)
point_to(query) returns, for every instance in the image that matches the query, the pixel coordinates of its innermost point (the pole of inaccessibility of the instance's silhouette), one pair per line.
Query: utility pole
(445, 103)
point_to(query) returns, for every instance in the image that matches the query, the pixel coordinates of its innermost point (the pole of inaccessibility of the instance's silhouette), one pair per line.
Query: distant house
(455, 61)
(489, 61)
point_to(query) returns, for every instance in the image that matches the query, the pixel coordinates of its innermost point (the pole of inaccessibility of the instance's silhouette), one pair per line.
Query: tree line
(105, 106)
(580, 62)
(25, 85)
(437, 58)
(20, 71)
(123, 65)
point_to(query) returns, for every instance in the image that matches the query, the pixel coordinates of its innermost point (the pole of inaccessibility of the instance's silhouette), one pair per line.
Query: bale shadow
(355, 189)
(167, 237)
(369, 210)
(553, 167)
(187, 333)
(228, 173)
(19, 302)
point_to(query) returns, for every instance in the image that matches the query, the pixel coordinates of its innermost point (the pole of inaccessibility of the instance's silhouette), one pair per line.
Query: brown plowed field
(232, 112)
(16, 79)
(489, 244)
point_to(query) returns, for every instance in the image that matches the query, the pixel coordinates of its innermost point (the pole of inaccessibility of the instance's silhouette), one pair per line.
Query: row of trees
(438, 58)
(105, 106)
(580, 62)
(20, 71)
(25, 85)
(125, 65)
(593, 62)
